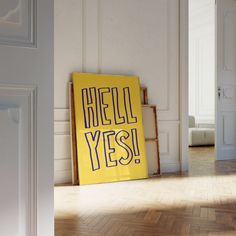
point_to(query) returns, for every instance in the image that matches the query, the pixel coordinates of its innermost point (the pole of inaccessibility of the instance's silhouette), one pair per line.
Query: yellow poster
(109, 128)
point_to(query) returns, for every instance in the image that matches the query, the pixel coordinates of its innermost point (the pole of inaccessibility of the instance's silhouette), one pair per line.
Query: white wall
(139, 37)
(202, 60)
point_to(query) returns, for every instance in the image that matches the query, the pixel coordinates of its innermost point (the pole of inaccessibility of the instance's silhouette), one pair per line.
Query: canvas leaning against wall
(109, 128)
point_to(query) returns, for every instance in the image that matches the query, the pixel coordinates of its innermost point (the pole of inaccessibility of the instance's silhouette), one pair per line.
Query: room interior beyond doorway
(202, 74)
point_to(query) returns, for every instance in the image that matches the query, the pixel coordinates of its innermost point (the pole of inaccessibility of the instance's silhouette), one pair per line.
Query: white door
(226, 80)
(26, 117)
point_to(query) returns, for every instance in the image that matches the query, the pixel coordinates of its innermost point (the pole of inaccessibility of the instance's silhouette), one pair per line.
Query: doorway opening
(201, 99)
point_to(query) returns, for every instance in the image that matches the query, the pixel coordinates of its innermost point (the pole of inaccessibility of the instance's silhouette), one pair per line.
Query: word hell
(96, 107)
(112, 140)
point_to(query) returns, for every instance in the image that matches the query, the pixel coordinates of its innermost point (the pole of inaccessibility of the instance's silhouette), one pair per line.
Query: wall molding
(168, 133)
(166, 139)
(83, 36)
(107, 37)
(6, 18)
(24, 97)
(61, 128)
(170, 167)
(24, 32)
(93, 27)
(61, 114)
(167, 108)
(183, 75)
(227, 51)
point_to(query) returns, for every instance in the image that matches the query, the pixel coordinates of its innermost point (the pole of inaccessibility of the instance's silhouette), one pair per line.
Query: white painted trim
(31, 40)
(216, 83)
(33, 168)
(184, 61)
(170, 167)
(30, 93)
(184, 85)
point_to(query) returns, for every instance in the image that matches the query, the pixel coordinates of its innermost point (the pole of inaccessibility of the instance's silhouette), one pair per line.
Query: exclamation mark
(135, 145)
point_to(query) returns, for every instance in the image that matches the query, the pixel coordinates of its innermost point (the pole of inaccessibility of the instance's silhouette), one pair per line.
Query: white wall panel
(169, 146)
(61, 114)
(128, 37)
(91, 32)
(164, 137)
(62, 146)
(61, 165)
(62, 127)
(168, 142)
(68, 46)
(138, 37)
(63, 177)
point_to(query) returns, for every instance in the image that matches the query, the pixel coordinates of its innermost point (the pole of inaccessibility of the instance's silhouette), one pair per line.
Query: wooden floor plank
(202, 202)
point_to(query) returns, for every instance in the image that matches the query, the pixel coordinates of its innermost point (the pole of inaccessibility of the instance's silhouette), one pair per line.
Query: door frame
(184, 82)
(183, 75)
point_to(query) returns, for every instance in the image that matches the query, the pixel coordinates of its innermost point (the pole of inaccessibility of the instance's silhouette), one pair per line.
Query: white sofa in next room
(200, 136)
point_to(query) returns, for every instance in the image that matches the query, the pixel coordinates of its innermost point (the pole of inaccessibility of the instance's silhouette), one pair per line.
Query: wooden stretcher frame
(157, 171)
(144, 93)
(74, 160)
(156, 139)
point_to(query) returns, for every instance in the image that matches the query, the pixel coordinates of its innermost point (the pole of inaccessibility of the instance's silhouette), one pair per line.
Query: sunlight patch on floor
(158, 193)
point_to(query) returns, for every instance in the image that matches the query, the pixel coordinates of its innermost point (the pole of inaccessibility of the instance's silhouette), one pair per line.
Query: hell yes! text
(110, 106)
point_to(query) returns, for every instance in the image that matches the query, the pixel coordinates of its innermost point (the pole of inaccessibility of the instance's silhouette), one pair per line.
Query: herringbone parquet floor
(200, 203)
